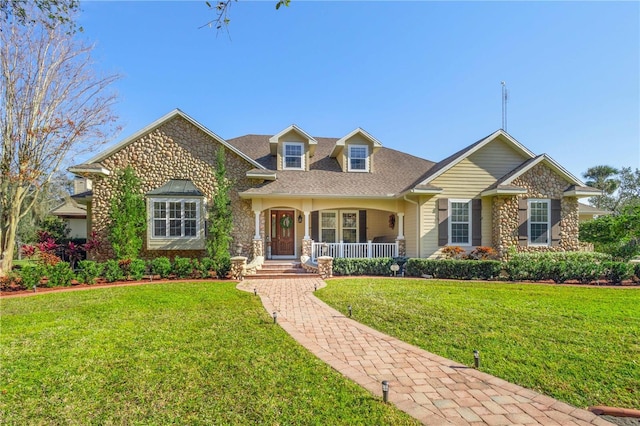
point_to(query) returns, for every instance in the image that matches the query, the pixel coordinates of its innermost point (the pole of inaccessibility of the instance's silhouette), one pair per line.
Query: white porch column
(306, 226)
(400, 226)
(257, 224)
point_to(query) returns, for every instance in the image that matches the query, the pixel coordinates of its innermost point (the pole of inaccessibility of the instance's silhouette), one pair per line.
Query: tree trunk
(8, 242)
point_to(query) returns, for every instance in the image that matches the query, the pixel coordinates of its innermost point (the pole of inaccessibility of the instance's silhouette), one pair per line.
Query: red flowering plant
(74, 253)
(28, 250)
(93, 243)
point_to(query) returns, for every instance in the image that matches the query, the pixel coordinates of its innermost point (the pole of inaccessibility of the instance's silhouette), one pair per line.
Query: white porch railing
(354, 250)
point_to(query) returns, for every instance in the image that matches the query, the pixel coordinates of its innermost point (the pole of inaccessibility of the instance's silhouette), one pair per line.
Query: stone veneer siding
(175, 150)
(540, 182)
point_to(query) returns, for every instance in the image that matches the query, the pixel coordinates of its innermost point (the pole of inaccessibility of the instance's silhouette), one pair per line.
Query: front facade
(297, 195)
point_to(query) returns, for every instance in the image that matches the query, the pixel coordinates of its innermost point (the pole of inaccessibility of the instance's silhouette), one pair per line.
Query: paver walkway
(434, 390)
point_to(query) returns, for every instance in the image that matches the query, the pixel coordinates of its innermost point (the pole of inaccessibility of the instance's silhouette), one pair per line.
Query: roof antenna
(505, 98)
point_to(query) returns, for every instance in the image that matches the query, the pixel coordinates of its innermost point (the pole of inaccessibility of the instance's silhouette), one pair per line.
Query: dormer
(293, 148)
(354, 152)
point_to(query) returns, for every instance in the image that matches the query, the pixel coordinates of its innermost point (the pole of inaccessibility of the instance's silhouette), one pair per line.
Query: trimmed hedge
(455, 269)
(379, 266)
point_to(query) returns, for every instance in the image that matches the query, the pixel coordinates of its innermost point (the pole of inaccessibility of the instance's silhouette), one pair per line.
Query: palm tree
(604, 178)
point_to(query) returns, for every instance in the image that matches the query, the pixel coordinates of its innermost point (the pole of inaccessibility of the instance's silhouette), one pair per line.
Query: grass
(181, 353)
(580, 345)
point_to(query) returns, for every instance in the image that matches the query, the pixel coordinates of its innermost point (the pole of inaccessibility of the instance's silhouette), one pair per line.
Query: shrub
(89, 271)
(31, 275)
(453, 252)
(616, 272)
(112, 271)
(59, 275)
(127, 214)
(483, 253)
(636, 270)
(137, 269)
(377, 266)
(557, 271)
(48, 259)
(420, 267)
(204, 266)
(161, 266)
(584, 272)
(182, 267)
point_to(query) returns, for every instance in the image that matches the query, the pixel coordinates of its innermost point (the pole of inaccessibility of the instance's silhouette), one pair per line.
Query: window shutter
(362, 226)
(523, 226)
(315, 225)
(476, 225)
(556, 209)
(443, 221)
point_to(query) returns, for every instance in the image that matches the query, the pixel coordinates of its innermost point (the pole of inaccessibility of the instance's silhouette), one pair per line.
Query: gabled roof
(176, 188)
(273, 140)
(504, 185)
(85, 168)
(454, 159)
(70, 208)
(395, 171)
(341, 142)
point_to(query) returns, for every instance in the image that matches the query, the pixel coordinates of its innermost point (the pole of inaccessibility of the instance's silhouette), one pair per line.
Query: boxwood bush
(31, 275)
(379, 266)
(88, 271)
(137, 269)
(182, 267)
(59, 275)
(161, 266)
(112, 271)
(455, 269)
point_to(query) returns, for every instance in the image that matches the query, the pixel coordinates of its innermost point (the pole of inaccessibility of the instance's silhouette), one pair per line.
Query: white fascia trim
(581, 194)
(498, 191)
(83, 171)
(246, 195)
(554, 165)
(310, 139)
(176, 112)
(340, 143)
(265, 176)
(480, 145)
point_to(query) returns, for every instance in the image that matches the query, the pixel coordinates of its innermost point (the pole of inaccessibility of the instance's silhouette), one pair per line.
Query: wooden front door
(282, 233)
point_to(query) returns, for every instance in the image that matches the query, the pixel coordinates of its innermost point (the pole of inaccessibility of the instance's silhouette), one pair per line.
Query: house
(296, 194)
(587, 212)
(73, 213)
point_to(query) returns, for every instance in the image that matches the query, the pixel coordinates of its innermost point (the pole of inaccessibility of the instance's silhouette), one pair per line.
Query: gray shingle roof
(394, 172)
(177, 187)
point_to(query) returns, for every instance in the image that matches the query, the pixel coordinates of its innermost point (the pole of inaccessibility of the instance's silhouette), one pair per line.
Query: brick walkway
(434, 390)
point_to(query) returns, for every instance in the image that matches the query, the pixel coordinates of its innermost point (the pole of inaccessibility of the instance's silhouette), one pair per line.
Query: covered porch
(363, 229)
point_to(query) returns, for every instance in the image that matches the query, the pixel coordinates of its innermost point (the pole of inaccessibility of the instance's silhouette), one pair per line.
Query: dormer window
(293, 156)
(358, 158)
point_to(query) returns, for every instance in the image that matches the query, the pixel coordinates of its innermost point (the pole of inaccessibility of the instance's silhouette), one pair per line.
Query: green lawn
(182, 353)
(580, 345)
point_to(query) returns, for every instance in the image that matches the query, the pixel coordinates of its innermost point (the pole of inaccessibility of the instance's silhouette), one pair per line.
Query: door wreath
(286, 222)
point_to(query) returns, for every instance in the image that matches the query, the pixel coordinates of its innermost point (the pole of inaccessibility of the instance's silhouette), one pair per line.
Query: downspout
(417, 223)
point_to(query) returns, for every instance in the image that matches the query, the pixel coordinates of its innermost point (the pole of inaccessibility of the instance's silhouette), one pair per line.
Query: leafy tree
(617, 234)
(220, 219)
(51, 104)
(602, 177)
(221, 9)
(49, 12)
(127, 214)
(629, 189)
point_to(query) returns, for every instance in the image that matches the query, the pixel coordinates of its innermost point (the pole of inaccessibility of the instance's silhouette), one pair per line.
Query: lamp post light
(255, 291)
(385, 391)
(349, 311)
(275, 317)
(476, 359)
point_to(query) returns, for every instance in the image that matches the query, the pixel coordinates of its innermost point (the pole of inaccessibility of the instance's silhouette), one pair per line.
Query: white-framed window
(349, 228)
(339, 225)
(175, 218)
(460, 222)
(358, 158)
(539, 222)
(329, 226)
(293, 156)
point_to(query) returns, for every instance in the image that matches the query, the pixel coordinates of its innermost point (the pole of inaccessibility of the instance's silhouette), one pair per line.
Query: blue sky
(422, 77)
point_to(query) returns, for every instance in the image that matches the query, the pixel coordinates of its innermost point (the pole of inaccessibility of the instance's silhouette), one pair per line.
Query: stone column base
(325, 266)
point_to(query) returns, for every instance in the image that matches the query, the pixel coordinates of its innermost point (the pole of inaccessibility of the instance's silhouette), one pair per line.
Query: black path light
(350, 311)
(476, 359)
(315, 287)
(255, 291)
(275, 317)
(385, 391)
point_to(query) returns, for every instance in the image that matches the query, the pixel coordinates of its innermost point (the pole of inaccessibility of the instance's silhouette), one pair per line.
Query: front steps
(272, 269)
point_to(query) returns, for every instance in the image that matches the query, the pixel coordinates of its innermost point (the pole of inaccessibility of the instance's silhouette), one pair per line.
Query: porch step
(272, 269)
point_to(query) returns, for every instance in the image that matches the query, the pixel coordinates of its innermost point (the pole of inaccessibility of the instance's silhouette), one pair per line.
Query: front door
(282, 233)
